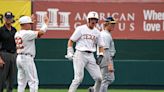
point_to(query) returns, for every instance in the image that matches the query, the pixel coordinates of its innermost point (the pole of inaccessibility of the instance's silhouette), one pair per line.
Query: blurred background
(138, 36)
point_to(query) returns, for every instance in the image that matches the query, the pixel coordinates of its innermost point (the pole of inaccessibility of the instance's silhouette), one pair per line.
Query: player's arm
(70, 50)
(112, 50)
(44, 26)
(100, 55)
(101, 51)
(74, 38)
(33, 34)
(70, 43)
(101, 45)
(40, 33)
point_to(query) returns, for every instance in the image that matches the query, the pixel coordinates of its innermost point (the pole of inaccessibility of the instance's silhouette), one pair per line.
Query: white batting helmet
(92, 14)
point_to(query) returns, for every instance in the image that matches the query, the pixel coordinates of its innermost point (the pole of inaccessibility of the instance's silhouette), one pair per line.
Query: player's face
(92, 22)
(110, 27)
(28, 26)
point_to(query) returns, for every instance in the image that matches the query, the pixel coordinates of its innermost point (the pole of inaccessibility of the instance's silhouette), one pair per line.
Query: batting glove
(99, 58)
(70, 53)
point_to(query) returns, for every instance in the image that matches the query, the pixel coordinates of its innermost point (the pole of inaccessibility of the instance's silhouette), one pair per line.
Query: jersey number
(19, 43)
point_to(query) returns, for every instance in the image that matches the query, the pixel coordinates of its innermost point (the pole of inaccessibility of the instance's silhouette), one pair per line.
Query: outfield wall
(137, 62)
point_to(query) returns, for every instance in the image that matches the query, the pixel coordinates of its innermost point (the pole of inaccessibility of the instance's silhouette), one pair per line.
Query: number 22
(19, 43)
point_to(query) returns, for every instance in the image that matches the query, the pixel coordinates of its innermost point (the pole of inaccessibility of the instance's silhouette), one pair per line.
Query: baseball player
(25, 42)
(86, 37)
(106, 65)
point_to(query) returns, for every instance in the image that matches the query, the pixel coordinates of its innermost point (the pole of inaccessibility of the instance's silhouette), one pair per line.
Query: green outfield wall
(137, 62)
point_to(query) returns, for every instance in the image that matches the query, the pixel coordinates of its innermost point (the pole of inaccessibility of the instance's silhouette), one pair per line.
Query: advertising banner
(17, 7)
(135, 20)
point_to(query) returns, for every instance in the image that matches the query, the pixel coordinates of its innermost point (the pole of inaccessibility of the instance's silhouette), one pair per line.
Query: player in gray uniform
(106, 65)
(86, 36)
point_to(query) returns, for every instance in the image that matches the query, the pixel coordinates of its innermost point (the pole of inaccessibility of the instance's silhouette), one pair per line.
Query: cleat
(90, 89)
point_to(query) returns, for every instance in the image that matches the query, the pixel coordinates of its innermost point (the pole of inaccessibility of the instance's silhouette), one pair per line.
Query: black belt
(27, 54)
(9, 51)
(88, 51)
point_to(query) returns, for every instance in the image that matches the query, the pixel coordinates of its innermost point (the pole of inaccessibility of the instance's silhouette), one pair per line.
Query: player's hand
(46, 19)
(70, 53)
(33, 18)
(99, 59)
(69, 56)
(1, 62)
(110, 68)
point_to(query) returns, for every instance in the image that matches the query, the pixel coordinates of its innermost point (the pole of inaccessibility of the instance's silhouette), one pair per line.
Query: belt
(88, 51)
(27, 54)
(9, 51)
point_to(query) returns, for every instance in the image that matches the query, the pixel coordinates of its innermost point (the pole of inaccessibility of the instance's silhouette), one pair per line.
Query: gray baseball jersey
(109, 48)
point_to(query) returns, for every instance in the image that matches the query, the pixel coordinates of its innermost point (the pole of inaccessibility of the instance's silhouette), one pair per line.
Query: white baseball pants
(27, 73)
(83, 60)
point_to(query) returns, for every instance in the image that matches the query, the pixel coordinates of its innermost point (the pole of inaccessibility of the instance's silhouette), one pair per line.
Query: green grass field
(84, 90)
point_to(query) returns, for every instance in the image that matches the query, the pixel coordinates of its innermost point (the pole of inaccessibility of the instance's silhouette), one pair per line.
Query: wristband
(101, 53)
(44, 27)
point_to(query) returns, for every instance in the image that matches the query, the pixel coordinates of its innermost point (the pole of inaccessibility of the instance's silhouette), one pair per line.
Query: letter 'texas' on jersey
(86, 39)
(88, 36)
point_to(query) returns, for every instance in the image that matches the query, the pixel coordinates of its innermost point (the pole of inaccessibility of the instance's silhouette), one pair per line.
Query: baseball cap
(9, 15)
(25, 20)
(110, 20)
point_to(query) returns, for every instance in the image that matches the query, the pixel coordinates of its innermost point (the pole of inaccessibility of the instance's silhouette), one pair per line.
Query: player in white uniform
(25, 42)
(106, 65)
(86, 37)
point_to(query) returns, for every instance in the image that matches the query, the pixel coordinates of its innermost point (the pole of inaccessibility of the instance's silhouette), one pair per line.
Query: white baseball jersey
(25, 41)
(86, 39)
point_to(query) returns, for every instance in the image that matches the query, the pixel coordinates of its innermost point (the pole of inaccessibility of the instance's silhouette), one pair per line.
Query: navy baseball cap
(110, 20)
(9, 15)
